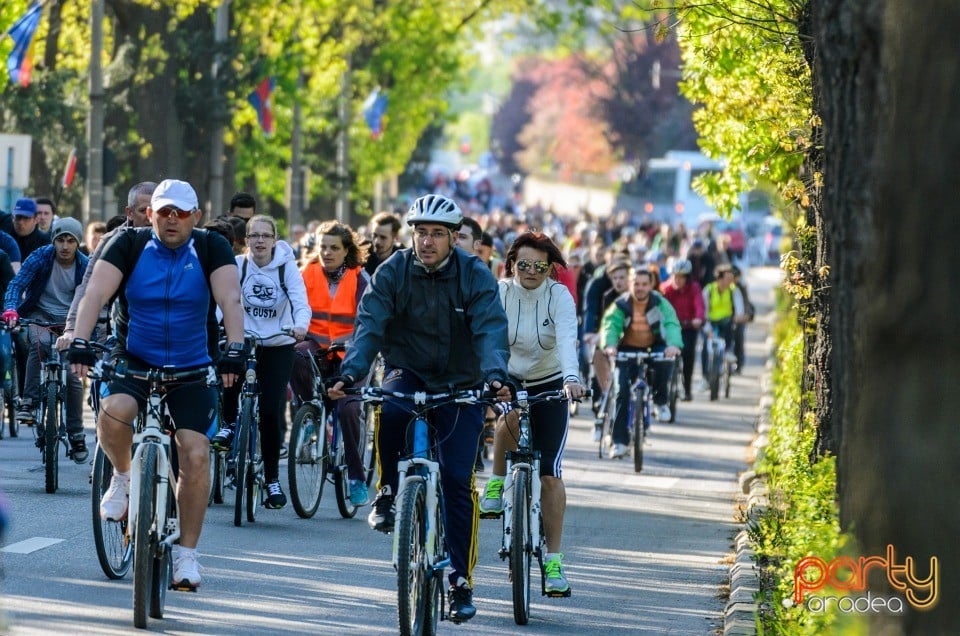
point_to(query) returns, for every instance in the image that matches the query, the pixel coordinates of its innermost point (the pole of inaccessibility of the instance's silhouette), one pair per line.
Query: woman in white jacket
(273, 297)
(543, 357)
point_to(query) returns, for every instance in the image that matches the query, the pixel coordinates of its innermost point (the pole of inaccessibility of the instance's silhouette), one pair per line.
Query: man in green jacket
(640, 320)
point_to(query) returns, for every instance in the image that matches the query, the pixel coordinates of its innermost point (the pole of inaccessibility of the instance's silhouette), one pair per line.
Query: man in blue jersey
(164, 277)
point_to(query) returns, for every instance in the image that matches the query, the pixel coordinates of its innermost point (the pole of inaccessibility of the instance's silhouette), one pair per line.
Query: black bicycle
(318, 450)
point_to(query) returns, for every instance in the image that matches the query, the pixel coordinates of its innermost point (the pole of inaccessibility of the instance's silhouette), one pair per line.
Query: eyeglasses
(164, 213)
(540, 266)
(260, 237)
(436, 235)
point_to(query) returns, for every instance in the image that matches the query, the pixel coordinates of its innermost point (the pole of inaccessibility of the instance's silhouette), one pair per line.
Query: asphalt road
(645, 553)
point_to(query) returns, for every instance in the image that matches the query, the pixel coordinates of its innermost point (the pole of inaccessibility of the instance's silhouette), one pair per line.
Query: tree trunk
(900, 451)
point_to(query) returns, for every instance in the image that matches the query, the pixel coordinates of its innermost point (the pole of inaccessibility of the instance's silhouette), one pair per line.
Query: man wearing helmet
(685, 295)
(434, 313)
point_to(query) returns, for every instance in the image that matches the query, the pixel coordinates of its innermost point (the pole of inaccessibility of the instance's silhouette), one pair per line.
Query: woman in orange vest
(335, 280)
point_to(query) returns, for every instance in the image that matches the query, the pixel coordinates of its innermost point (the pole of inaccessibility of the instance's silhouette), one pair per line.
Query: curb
(740, 613)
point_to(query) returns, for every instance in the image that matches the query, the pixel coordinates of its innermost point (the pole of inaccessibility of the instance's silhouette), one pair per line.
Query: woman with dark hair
(543, 357)
(335, 280)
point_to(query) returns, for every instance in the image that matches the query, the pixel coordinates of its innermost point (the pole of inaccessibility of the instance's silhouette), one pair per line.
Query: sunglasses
(540, 266)
(165, 213)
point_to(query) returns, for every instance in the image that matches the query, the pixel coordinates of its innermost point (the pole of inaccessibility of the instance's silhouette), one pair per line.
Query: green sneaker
(555, 583)
(492, 500)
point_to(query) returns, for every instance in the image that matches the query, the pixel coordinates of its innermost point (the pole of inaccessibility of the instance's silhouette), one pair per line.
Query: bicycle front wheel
(640, 412)
(243, 463)
(162, 564)
(728, 371)
(144, 537)
(372, 417)
(308, 461)
(413, 572)
(715, 371)
(521, 546)
(675, 387)
(255, 465)
(10, 400)
(51, 433)
(114, 552)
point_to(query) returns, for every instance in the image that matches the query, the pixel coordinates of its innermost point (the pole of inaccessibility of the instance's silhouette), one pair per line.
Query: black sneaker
(275, 497)
(78, 448)
(460, 598)
(382, 516)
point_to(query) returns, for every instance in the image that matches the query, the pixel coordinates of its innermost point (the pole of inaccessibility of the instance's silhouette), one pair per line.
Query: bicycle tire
(10, 400)
(372, 416)
(308, 461)
(255, 469)
(341, 475)
(716, 360)
(675, 387)
(520, 547)
(638, 432)
(143, 537)
(242, 465)
(609, 414)
(726, 379)
(51, 441)
(412, 573)
(114, 552)
(162, 576)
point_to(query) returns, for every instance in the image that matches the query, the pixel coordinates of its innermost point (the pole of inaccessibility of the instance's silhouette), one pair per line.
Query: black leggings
(273, 374)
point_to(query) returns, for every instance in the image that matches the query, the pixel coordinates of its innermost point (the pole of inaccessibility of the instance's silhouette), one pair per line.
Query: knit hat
(67, 225)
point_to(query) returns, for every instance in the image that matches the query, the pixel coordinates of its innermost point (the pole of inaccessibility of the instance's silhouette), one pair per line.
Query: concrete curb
(740, 614)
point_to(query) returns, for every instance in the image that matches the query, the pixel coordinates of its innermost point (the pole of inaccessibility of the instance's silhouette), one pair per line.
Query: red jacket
(687, 301)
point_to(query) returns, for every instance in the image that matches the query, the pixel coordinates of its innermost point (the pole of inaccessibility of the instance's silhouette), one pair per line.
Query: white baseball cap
(175, 194)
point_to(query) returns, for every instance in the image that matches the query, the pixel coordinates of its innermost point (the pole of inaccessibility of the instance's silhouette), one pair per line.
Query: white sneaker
(186, 569)
(618, 450)
(597, 434)
(114, 504)
(663, 412)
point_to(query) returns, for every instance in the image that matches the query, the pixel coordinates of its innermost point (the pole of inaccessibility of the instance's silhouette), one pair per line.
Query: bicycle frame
(527, 460)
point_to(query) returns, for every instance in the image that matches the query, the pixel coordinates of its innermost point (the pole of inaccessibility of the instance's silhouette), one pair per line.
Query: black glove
(346, 379)
(80, 352)
(233, 361)
(507, 383)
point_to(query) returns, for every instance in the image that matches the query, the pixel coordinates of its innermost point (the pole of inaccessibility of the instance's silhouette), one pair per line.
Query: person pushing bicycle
(165, 278)
(641, 320)
(434, 313)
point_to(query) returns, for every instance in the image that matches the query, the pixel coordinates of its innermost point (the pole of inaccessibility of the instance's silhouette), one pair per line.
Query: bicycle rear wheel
(51, 443)
(114, 552)
(521, 546)
(413, 573)
(308, 461)
(144, 537)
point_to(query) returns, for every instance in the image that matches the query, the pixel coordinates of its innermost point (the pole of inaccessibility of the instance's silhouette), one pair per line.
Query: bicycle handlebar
(556, 395)
(623, 356)
(106, 371)
(376, 394)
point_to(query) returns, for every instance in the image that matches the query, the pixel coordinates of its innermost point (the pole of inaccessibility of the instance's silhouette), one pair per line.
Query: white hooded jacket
(266, 308)
(542, 331)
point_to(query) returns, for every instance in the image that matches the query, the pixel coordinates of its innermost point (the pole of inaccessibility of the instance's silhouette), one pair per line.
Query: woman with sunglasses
(543, 357)
(273, 297)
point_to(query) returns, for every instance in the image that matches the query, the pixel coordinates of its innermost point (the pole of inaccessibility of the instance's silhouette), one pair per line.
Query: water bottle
(420, 441)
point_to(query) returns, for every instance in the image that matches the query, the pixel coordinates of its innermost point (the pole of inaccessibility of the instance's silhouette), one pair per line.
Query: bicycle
(641, 402)
(317, 449)
(249, 479)
(522, 515)
(719, 367)
(419, 548)
(50, 430)
(153, 513)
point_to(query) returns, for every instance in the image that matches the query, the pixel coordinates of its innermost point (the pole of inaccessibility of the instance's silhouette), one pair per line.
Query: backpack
(201, 239)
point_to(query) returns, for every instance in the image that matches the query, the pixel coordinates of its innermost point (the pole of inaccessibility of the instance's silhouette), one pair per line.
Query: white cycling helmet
(682, 266)
(435, 208)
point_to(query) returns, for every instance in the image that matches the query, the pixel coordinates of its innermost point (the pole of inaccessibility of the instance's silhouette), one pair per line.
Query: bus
(663, 193)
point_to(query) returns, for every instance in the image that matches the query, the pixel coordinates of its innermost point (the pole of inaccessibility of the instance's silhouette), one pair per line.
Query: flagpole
(93, 200)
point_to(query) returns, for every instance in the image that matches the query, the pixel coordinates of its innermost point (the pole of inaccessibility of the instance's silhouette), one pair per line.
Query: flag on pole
(70, 170)
(262, 101)
(374, 108)
(20, 61)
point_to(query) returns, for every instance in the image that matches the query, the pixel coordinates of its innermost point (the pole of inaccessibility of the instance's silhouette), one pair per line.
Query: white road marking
(31, 545)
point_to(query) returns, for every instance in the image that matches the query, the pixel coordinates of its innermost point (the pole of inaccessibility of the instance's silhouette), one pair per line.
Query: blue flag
(374, 108)
(22, 34)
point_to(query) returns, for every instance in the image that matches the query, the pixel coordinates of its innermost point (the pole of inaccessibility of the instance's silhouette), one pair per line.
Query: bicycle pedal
(184, 586)
(564, 594)
(491, 515)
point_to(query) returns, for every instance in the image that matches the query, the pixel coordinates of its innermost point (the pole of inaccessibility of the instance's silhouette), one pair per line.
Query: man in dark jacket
(26, 230)
(434, 313)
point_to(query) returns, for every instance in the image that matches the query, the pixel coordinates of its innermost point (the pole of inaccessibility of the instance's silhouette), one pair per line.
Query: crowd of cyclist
(498, 300)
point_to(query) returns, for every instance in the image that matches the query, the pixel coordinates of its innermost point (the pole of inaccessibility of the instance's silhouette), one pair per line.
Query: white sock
(125, 475)
(550, 555)
(501, 477)
(186, 551)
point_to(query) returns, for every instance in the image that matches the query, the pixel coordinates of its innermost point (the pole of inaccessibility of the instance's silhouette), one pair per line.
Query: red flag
(70, 170)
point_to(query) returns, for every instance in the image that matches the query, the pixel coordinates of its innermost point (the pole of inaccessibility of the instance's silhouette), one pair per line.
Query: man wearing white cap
(43, 290)
(166, 276)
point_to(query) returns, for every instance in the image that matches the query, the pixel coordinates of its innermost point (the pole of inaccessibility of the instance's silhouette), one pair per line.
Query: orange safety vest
(334, 317)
